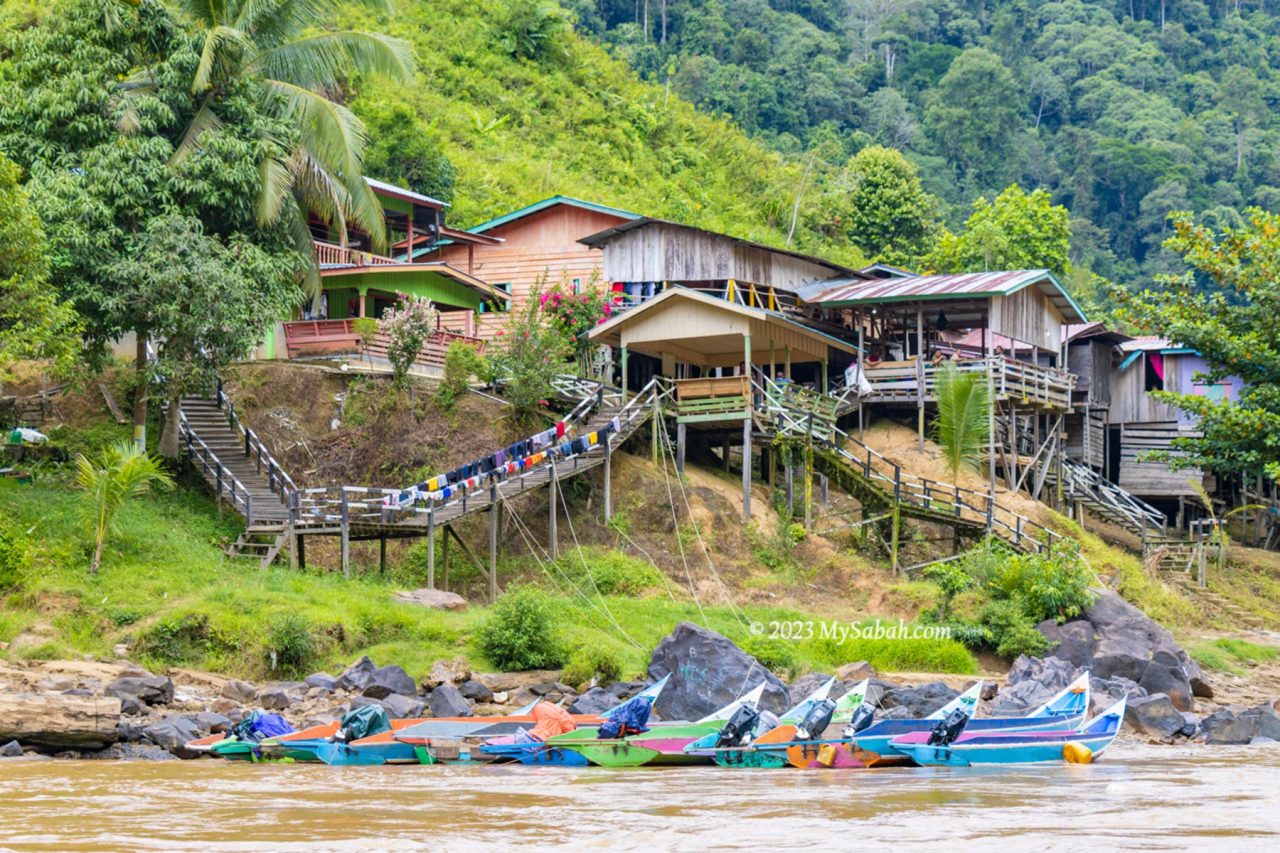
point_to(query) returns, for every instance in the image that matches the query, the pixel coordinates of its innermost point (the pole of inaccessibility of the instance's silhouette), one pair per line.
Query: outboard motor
(739, 729)
(862, 718)
(946, 731)
(767, 722)
(816, 721)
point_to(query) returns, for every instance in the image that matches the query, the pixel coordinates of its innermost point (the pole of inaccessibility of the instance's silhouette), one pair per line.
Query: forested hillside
(1123, 109)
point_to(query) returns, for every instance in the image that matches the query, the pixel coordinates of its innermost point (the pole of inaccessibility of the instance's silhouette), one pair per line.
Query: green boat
(663, 744)
(785, 731)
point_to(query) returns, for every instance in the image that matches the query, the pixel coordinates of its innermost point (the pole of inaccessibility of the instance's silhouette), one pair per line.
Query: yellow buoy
(1075, 752)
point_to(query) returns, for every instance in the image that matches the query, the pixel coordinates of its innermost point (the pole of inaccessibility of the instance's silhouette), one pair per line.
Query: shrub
(520, 632)
(290, 645)
(775, 655)
(609, 571)
(1012, 630)
(185, 639)
(600, 662)
(528, 355)
(952, 579)
(15, 557)
(461, 362)
(408, 325)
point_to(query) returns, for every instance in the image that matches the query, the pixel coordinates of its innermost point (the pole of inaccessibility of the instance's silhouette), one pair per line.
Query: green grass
(165, 588)
(1231, 655)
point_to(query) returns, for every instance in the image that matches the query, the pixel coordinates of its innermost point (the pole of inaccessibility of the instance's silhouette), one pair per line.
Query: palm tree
(122, 472)
(269, 42)
(961, 427)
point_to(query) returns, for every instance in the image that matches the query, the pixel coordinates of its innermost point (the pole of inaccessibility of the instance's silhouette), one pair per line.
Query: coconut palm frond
(216, 41)
(204, 121)
(961, 426)
(324, 60)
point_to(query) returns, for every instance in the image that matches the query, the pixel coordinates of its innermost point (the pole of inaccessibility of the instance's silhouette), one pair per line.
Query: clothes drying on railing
(511, 460)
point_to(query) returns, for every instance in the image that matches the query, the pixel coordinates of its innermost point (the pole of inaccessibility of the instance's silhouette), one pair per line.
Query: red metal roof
(956, 285)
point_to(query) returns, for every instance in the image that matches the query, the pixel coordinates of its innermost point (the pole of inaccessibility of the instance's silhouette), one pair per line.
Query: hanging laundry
(560, 429)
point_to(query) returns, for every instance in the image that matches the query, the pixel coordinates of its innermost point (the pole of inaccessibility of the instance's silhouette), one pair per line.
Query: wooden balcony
(712, 399)
(330, 255)
(339, 337)
(1019, 381)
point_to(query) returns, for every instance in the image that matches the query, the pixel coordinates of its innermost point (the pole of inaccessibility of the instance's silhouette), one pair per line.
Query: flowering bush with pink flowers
(529, 353)
(575, 314)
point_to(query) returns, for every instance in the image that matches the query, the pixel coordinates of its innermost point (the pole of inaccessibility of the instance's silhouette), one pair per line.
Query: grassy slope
(519, 131)
(166, 565)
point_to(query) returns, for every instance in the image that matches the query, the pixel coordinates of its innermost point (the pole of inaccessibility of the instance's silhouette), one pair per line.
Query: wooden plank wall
(1028, 316)
(1153, 479)
(540, 244)
(661, 252)
(1091, 362)
(1086, 437)
(1130, 403)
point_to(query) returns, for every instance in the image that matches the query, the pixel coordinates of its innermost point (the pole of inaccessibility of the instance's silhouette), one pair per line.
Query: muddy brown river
(1216, 799)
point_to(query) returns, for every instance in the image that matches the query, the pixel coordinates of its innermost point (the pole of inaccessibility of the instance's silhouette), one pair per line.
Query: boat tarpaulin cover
(630, 718)
(363, 722)
(259, 726)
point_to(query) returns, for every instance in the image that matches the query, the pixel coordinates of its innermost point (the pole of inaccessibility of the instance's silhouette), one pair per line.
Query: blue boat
(545, 755)
(1079, 746)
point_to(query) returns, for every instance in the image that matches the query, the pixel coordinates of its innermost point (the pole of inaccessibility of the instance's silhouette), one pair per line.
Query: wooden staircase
(236, 466)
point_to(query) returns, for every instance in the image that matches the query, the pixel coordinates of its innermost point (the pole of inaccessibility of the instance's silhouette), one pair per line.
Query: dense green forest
(1122, 109)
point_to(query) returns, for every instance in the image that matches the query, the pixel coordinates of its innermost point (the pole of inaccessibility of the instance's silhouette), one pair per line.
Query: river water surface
(1215, 799)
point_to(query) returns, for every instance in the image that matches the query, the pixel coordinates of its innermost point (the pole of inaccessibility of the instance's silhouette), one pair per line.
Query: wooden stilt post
(552, 535)
(746, 470)
(724, 452)
(493, 542)
(293, 547)
(921, 374)
(861, 373)
(444, 556)
(895, 534)
(608, 479)
(623, 361)
(680, 440)
(302, 551)
(1013, 444)
(431, 549)
(382, 555)
(991, 407)
(346, 537)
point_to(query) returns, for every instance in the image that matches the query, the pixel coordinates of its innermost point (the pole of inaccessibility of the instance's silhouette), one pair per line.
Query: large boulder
(476, 691)
(856, 671)
(597, 700)
(446, 701)
(708, 672)
(401, 707)
(1114, 639)
(239, 691)
(173, 733)
(1032, 682)
(358, 676)
(54, 721)
(387, 680)
(321, 681)
(1237, 724)
(141, 690)
(1073, 642)
(806, 684)
(918, 701)
(453, 671)
(625, 689)
(1156, 716)
(12, 749)
(1105, 692)
(436, 599)
(132, 752)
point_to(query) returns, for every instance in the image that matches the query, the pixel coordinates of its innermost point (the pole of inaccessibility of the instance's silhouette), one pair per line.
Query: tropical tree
(962, 423)
(891, 218)
(1227, 308)
(33, 323)
(301, 71)
(1018, 230)
(121, 473)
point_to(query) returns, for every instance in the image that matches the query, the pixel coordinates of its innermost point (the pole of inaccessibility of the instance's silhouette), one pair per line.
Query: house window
(1153, 378)
(577, 285)
(505, 287)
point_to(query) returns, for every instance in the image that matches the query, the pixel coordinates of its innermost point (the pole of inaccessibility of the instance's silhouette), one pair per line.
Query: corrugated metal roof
(598, 239)
(1155, 343)
(842, 292)
(400, 192)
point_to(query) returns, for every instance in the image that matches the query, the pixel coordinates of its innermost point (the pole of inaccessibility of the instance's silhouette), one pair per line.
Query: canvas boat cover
(363, 722)
(629, 718)
(259, 726)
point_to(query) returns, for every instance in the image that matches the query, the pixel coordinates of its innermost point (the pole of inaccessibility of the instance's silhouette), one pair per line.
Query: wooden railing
(331, 255)
(333, 337)
(899, 381)
(278, 480)
(224, 483)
